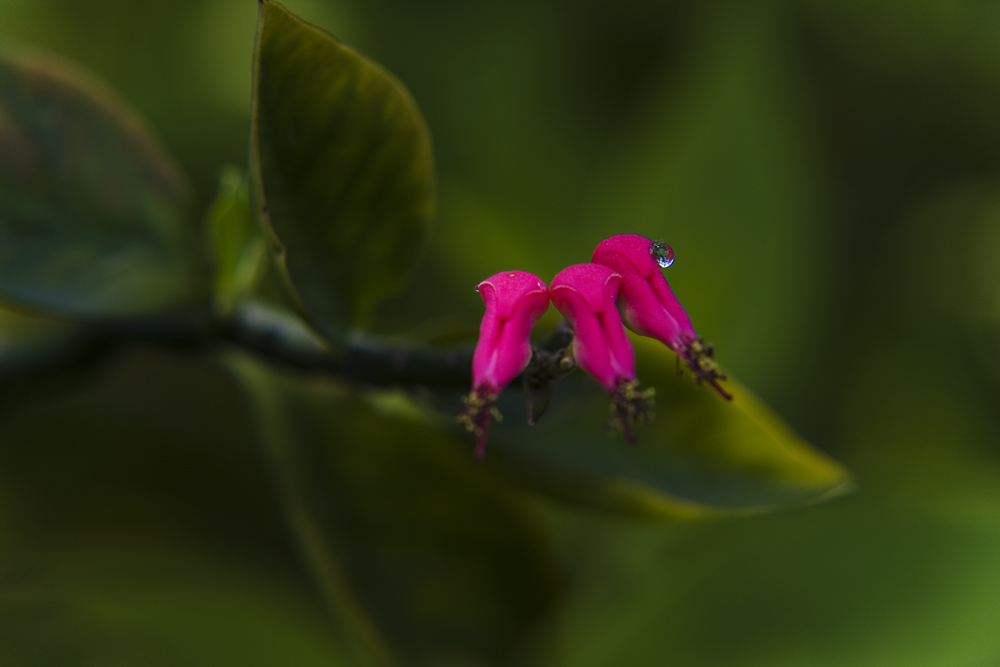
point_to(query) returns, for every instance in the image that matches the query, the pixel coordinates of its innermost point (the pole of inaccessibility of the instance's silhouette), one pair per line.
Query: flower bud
(649, 307)
(514, 302)
(585, 294)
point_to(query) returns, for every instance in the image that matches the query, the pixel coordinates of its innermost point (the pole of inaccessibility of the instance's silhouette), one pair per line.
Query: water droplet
(662, 253)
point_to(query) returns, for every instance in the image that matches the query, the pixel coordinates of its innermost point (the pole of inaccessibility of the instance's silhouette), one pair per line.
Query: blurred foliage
(25, 337)
(238, 250)
(439, 554)
(828, 174)
(94, 216)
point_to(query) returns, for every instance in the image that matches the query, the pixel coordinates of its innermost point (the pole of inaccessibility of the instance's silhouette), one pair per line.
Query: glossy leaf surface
(343, 173)
(701, 457)
(94, 216)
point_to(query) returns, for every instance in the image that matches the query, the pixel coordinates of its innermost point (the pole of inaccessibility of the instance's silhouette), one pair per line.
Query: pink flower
(514, 302)
(585, 294)
(649, 305)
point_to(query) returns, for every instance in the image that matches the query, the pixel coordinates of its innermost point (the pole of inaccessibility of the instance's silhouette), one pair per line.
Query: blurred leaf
(389, 511)
(701, 458)
(24, 338)
(125, 606)
(901, 574)
(235, 241)
(151, 445)
(859, 582)
(342, 171)
(93, 215)
(138, 525)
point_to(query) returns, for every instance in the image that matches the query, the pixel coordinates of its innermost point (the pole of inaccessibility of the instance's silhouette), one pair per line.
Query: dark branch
(271, 334)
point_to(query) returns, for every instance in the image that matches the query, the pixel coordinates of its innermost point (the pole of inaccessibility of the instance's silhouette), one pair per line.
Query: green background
(828, 174)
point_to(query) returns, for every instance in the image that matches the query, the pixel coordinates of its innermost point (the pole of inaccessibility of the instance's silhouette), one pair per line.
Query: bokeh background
(828, 174)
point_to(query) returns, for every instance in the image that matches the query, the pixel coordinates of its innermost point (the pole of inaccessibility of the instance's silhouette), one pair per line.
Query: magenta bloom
(514, 302)
(585, 294)
(649, 306)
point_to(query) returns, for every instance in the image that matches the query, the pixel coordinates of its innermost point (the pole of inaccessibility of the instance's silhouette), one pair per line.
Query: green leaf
(151, 438)
(859, 582)
(93, 215)
(140, 526)
(342, 171)
(235, 242)
(903, 573)
(24, 338)
(119, 605)
(391, 512)
(702, 457)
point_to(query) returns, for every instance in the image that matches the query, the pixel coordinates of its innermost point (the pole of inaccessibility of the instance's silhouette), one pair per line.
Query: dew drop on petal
(662, 253)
